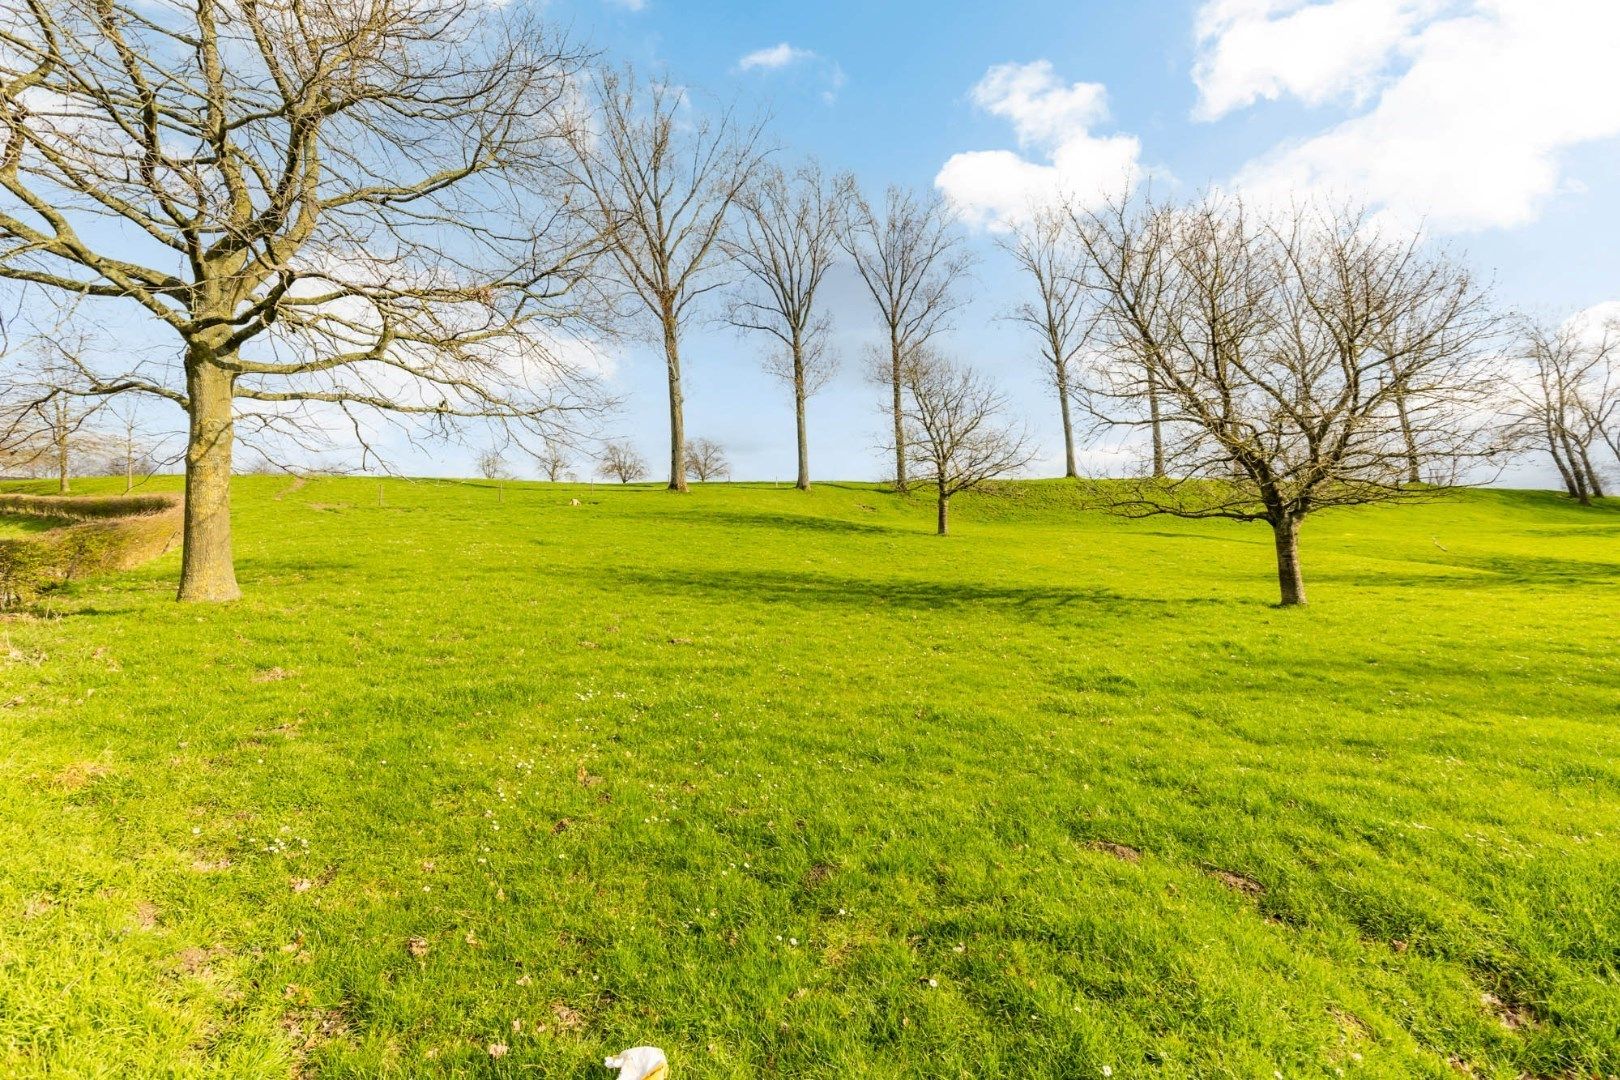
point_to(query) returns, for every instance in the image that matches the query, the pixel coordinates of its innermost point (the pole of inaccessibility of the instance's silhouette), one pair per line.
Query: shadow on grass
(824, 591)
(765, 520)
(1490, 573)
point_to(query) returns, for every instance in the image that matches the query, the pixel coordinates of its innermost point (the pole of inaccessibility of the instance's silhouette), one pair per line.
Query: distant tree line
(313, 283)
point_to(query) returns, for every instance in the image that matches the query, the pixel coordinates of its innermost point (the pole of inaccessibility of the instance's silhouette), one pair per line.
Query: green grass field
(790, 787)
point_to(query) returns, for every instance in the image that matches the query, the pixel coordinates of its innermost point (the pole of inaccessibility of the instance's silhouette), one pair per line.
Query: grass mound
(788, 786)
(46, 540)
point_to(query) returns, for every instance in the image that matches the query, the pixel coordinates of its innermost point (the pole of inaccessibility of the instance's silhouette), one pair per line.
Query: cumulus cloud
(827, 72)
(1254, 50)
(774, 58)
(1463, 111)
(1059, 153)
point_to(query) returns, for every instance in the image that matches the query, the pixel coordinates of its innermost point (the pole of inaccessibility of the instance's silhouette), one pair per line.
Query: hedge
(111, 533)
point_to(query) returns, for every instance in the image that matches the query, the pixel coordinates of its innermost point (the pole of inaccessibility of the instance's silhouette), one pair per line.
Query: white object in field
(640, 1063)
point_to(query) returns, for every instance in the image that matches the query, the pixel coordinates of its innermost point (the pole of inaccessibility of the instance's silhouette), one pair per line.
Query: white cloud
(1052, 120)
(774, 58)
(1468, 107)
(783, 55)
(1253, 50)
(629, 5)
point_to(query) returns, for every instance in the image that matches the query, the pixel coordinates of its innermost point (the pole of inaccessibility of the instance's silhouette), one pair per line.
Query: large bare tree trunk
(897, 409)
(1413, 474)
(1158, 428)
(803, 483)
(207, 572)
(1289, 578)
(944, 514)
(677, 411)
(1069, 469)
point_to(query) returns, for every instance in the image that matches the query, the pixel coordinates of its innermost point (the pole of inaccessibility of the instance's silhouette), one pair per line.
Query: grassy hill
(790, 787)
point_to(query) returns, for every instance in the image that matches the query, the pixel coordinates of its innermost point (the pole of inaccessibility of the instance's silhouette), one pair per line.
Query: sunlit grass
(789, 786)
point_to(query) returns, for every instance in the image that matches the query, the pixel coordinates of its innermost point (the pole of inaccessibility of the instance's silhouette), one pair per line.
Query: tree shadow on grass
(765, 520)
(826, 591)
(1491, 572)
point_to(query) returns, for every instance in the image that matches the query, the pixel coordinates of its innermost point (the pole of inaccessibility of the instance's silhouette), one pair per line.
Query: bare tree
(662, 185)
(131, 447)
(1058, 316)
(912, 262)
(45, 425)
(1279, 348)
(619, 461)
(553, 459)
(706, 460)
(1567, 399)
(331, 207)
(492, 465)
(785, 239)
(955, 437)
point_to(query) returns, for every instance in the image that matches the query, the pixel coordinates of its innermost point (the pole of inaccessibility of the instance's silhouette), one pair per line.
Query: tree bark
(1593, 483)
(1577, 470)
(1158, 429)
(677, 413)
(1069, 470)
(803, 483)
(207, 572)
(1289, 579)
(62, 478)
(944, 514)
(1558, 459)
(896, 408)
(1413, 474)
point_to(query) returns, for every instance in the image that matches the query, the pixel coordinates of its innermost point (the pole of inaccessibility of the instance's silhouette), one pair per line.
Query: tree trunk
(62, 477)
(1289, 579)
(944, 514)
(798, 416)
(207, 573)
(1158, 429)
(1069, 470)
(677, 413)
(1577, 470)
(1593, 483)
(896, 406)
(1413, 474)
(1558, 460)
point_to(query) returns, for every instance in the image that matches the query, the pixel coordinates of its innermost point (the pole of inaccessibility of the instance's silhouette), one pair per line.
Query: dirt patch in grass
(1123, 852)
(1235, 881)
(1513, 1015)
(79, 774)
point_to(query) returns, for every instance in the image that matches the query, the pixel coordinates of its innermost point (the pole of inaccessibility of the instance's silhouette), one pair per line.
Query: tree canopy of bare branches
(662, 186)
(331, 207)
(1058, 316)
(619, 461)
(785, 238)
(553, 459)
(706, 460)
(1279, 346)
(956, 435)
(1566, 400)
(912, 262)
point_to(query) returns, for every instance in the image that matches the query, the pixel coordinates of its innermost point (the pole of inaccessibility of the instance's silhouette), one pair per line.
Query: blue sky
(1495, 121)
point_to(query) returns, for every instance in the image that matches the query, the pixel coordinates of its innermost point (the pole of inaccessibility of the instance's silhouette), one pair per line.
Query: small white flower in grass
(1108, 1070)
(793, 941)
(195, 831)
